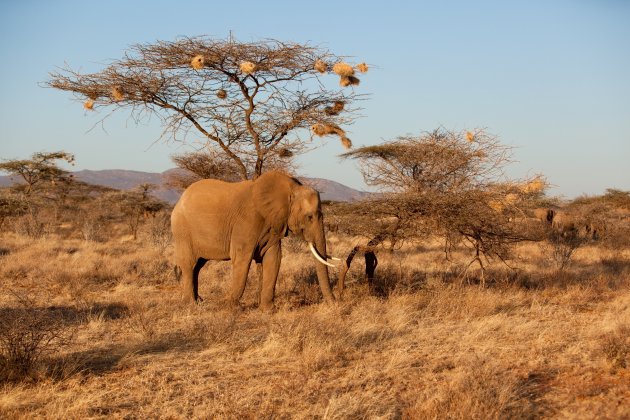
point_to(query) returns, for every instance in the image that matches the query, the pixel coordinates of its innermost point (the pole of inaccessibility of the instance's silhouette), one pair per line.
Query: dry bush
(31, 225)
(159, 230)
(616, 346)
(560, 247)
(11, 205)
(92, 228)
(27, 336)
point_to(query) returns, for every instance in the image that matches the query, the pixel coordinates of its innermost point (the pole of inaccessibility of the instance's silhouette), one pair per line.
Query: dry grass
(421, 342)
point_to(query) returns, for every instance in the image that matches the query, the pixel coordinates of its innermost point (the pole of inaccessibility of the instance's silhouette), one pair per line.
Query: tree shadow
(99, 361)
(67, 315)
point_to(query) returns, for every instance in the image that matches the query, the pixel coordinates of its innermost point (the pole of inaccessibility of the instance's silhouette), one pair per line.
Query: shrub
(561, 247)
(616, 346)
(27, 335)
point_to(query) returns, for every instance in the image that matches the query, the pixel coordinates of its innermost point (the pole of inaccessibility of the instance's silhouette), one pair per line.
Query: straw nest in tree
(221, 94)
(511, 198)
(117, 93)
(343, 69)
(496, 205)
(534, 186)
(335, 109)
(89, 104)
(321, 130)
(320, 66)
(197, 62)
(285, 152)
(248, 67)
(363, 68)
(470, 137)
(346, 81)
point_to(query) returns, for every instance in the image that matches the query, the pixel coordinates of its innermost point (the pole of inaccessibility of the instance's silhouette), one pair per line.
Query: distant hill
(124, 180)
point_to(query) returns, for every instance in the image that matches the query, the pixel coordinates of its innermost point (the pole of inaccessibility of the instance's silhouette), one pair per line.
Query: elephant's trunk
(322, 270)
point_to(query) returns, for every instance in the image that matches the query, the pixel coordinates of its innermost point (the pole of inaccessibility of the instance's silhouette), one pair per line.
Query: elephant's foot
(266, 307)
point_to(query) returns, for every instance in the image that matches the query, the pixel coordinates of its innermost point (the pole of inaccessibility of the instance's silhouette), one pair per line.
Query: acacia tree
(445, 184)
(247, 100)
(135, 205)
(41, 167)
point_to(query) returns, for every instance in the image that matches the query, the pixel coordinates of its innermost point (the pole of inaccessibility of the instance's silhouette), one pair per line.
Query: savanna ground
(422, 342)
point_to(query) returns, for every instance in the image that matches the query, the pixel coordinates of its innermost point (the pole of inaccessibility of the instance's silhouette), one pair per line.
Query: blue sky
(550, 78)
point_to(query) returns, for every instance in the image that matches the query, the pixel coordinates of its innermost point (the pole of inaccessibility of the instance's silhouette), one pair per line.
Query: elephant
(572, 224)
(564, 222)
(245, 221)
(545, 215)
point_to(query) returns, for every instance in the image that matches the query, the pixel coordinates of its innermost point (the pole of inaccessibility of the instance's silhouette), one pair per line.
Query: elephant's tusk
(318, 257)
(334, 258)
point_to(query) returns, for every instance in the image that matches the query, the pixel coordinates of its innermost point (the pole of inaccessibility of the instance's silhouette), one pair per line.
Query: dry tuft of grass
(89, 105)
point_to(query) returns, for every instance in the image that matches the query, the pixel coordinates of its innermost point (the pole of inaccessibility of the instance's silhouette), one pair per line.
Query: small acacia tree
(445, 184)
(136, 205)
(41, 167)
(247, 100)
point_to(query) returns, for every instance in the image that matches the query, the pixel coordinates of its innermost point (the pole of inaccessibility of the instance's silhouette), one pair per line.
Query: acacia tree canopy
(246, 99)
(444, 184)
(41, 167)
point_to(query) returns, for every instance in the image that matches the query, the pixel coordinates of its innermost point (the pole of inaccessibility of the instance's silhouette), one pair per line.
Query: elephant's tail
(178, 273)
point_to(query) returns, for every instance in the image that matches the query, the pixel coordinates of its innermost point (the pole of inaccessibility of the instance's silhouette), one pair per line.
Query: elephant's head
(288, 206)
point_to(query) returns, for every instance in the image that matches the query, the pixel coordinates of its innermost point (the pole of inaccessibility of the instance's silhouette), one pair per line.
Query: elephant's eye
(309, 217)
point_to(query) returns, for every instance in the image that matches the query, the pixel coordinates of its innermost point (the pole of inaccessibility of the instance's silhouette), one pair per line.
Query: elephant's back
(210, 195)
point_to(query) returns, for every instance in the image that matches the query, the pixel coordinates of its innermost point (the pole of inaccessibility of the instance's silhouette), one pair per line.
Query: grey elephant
(245, 221)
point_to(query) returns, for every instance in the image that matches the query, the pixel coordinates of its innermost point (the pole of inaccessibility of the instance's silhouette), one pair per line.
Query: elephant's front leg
(240, 268)
(270, 268)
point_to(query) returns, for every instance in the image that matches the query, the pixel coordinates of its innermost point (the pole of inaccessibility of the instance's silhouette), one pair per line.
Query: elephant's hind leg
(270, 269)
(195, 278)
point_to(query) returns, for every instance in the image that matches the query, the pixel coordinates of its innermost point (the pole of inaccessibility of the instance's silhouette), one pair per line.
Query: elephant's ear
(272, 193)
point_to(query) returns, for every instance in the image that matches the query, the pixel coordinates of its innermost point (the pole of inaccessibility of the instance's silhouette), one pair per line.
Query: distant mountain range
(126, 180)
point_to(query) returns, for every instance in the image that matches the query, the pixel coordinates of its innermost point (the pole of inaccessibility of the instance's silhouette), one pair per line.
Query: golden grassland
(423, 342)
